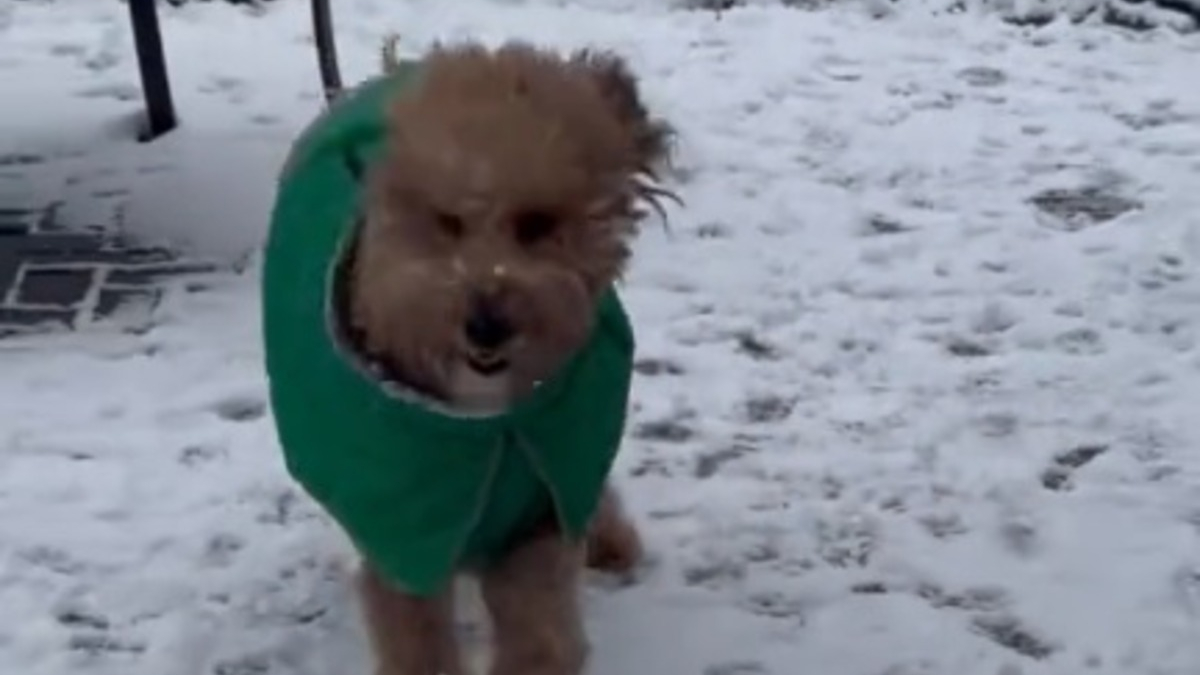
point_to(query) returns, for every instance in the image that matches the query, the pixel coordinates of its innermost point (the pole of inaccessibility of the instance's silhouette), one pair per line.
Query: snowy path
(893, 418)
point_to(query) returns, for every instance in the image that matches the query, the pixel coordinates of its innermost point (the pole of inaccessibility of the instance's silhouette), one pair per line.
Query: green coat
(419, 491)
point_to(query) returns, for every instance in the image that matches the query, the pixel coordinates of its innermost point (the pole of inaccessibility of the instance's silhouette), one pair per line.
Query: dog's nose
(487, 327)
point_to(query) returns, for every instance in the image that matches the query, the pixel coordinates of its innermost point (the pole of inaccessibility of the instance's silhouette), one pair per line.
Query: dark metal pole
(327, 59)
(156, 86)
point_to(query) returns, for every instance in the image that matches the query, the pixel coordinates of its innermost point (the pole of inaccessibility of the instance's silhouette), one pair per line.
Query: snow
(892, 417)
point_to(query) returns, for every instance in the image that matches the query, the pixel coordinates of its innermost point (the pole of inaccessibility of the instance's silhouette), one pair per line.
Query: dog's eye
(449, 223)
(533, 226)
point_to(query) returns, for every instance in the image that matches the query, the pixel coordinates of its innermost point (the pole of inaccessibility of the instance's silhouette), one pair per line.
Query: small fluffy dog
(449, 361)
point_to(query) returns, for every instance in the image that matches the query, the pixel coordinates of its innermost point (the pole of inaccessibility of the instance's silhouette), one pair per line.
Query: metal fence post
(152, 62)
(327, 60)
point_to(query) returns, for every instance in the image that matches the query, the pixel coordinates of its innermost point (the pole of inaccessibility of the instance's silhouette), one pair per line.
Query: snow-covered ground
(894, 416)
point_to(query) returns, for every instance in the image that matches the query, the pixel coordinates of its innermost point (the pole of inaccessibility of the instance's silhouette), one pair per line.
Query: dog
(440, 276)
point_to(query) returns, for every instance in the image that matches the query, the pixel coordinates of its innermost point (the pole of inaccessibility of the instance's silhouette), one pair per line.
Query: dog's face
(511, 186)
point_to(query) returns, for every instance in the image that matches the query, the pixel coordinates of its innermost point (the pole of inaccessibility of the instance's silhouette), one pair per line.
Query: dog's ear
(612, 76)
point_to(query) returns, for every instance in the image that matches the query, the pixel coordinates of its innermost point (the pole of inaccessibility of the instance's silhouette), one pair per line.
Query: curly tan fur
(489, 141)
(513, 182)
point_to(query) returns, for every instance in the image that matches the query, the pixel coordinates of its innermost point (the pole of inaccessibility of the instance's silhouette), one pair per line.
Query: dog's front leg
(410, 635)
(533, 598)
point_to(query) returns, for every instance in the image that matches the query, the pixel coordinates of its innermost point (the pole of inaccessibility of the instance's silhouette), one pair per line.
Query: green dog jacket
(418, 490)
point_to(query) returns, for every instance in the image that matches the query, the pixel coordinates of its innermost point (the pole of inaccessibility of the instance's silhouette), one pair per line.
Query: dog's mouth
(487, 364)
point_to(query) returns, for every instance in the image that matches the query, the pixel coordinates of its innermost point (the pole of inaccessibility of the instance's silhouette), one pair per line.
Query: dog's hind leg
(532, 595)
(613, 542)
(410, 635)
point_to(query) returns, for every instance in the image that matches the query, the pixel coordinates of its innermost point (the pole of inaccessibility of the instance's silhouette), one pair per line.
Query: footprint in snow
(1164, 270)
(225, 84)
(1080, 341)
(708, 464)
(221, 549)
(846, 540)
(1154, 114)
(737, 668)
(255, 664)
(116, 91)
(990, 618)
(281, 508)
(756, 348)
(20, 159)
(97, 644)
(654, 466)
(1192, 518)
(774, 605)
(1009, 632)
(767, 408)
(967, 347)
(68, 49)
(982, 76)
(1185, 581)
(1075, 209)
(997, 424)
(879, 224)
(1058, 476)
(917, 667)
(1020, 537)
(652, 367)
(195, 455)
(712, 5)
(712, 231)
(110, 53)
(994, 318)
(92, 635)
(976, 598)
(666, 430)
(715, 573)
(52, 558)
(241, 408)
